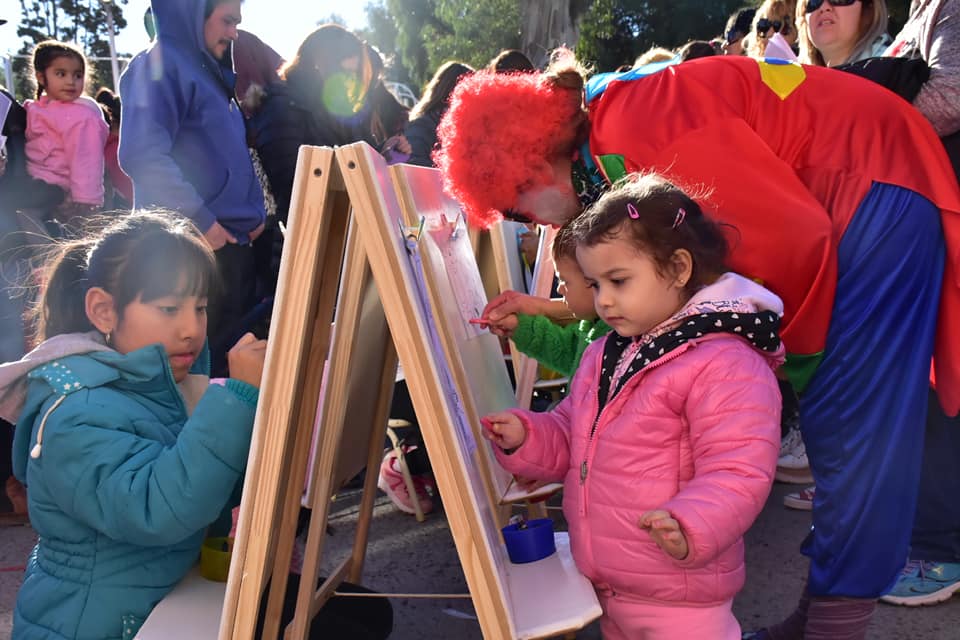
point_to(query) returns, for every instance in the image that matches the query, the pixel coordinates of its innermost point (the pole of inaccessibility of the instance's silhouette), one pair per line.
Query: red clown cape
(785, 154)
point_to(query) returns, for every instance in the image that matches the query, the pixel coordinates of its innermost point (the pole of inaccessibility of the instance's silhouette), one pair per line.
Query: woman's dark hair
(438, 90)
(49, 50)
(697, 49)
(146, 254)
(511, 60)
(667, 219)
(321, 53)
(111, 104)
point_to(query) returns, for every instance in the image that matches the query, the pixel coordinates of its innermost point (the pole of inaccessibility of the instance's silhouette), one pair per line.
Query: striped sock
(792, 627)
(838, 618)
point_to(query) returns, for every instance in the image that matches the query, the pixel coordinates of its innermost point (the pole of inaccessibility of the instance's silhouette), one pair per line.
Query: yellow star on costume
(782, 77)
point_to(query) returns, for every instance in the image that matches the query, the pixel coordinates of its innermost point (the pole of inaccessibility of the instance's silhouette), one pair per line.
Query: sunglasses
(813, 5)
(783, 28)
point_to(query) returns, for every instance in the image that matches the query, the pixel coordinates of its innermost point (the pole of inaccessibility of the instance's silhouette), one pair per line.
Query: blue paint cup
(529, 541)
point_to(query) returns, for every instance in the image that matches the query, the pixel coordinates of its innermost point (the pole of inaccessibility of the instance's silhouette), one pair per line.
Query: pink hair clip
(681, 216)
(632, 211)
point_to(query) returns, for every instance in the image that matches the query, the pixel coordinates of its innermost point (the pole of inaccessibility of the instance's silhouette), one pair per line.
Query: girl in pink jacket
(66, 131)
(668, 440)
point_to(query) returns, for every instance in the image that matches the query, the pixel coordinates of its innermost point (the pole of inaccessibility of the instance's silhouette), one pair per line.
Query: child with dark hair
(668, 439)
(120, 193)
(66, 131)
(127, 451)
(553, 336)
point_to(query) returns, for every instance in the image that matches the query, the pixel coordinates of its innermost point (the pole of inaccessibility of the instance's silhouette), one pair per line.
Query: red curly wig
(499, 136)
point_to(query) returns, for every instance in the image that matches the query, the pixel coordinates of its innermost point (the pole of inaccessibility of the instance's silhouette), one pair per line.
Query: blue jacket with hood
(182, 135)
(122, 480)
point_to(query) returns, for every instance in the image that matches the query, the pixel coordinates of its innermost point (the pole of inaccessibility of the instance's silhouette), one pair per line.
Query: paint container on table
(215, 558)
(529, 540)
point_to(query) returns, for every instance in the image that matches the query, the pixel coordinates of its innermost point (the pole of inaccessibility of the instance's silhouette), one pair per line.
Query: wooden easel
(411, 245)
(512, 601)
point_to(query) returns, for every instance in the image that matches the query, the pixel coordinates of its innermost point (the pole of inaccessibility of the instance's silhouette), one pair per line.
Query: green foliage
(614, 33)
(426, 33)
(82, 22)
(609, 36)
(477, 31)
(423, 34)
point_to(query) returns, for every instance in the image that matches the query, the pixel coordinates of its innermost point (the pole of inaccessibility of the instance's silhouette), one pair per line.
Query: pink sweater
(696, 433)
(65, 146)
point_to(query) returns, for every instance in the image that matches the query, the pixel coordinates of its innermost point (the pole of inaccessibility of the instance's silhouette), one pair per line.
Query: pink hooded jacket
(64, 146)
(696, 433)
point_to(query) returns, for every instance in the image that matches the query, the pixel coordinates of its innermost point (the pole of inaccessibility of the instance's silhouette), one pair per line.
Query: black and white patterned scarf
(760, 329)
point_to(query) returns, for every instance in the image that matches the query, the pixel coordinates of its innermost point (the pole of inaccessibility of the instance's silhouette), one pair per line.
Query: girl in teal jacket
(127, 452)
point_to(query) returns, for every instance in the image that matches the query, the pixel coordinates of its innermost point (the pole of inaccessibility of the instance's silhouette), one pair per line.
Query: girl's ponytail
(62, 307)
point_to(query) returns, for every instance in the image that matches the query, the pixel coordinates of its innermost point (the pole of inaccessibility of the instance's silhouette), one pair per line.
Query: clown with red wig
(838, 197)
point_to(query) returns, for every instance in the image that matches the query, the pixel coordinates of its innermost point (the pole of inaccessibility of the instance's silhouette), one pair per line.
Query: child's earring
(107, 336)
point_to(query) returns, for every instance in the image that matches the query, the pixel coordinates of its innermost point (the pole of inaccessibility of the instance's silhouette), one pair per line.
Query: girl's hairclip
(681, 216)
(632, 211)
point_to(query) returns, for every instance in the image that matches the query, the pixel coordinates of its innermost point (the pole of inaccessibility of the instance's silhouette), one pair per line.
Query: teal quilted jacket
(122, 482)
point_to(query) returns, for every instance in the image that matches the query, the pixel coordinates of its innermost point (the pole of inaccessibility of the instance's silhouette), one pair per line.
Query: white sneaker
(792, 465)
(801, 500)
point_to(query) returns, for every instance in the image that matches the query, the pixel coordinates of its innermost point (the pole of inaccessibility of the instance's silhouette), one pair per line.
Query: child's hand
(504, 327)
(666, 532)
(245, 359)
(504, 429)
(511, 302)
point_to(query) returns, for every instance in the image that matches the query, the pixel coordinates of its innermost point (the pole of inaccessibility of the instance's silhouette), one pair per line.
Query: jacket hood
(13, 375)
(180, 22)
(734, 293)
(738, 293)
(70, 363)
(101, 365)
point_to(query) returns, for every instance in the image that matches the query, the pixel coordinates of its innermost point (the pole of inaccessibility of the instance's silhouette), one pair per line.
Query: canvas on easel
(536, 600)
(509, 269)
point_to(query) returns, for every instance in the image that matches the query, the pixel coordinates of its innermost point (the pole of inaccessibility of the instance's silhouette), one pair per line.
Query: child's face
(573, 287)
(179, 323)
(62, 80)
(629, 293)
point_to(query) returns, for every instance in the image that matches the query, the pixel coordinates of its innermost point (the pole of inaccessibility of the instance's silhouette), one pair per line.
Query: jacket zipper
(584, 465)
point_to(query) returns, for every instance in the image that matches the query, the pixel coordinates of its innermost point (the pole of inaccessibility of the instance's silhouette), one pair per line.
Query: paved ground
(404, 556)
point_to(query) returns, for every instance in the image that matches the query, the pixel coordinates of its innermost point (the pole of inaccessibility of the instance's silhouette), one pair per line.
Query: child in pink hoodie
(668, 440)
(66, 130)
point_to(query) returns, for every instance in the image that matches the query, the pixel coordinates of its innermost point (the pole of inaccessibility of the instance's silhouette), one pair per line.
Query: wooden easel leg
(405, 471)
(374, 456)
(536, 510)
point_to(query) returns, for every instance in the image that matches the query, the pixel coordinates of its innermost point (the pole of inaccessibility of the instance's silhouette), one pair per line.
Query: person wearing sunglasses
(836, 32)
(738, 27)
(773, 16)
